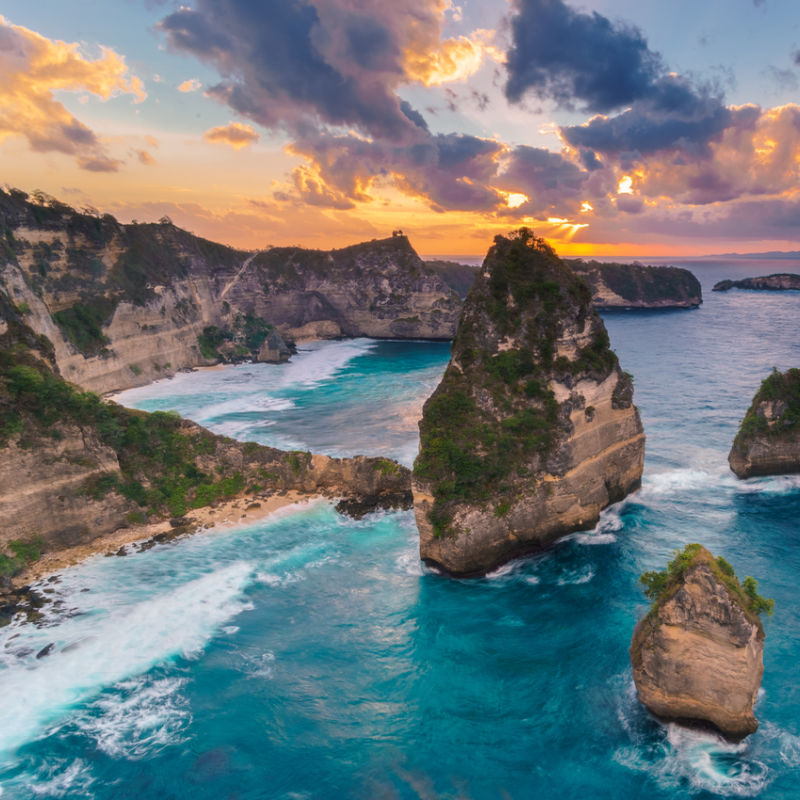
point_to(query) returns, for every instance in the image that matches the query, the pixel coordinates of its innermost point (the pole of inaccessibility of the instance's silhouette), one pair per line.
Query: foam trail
(110, 648)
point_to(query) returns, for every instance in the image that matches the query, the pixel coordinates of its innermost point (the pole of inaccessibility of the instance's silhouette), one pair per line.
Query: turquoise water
(311, 656)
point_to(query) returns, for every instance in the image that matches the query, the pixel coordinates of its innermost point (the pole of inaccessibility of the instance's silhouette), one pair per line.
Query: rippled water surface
(310, 656)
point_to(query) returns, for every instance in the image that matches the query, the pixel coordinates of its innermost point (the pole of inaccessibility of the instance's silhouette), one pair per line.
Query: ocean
(312, 656)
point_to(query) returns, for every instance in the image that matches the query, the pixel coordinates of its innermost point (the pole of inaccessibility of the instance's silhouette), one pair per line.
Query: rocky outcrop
(638, 286)
(459, 277)
(73, 468)
(698, 654)
(532, 430)
(768, 441)
(782, 281)
(124, 305)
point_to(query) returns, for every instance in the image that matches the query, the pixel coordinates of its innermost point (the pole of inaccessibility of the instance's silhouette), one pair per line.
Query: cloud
(32, 69)
(191, 85)
(567, 56)
(326, 72)
(234, 134)
(145, 158)
(585, 60)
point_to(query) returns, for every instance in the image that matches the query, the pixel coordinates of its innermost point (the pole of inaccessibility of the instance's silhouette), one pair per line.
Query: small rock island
(768, 441)
(532, 430)
(638, 286)
(781, 281)
(698, 654)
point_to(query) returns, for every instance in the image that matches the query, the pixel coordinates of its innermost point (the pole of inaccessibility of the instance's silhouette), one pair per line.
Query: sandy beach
(243, 510)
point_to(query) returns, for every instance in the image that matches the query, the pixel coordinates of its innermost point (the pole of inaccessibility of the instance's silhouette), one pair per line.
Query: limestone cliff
(781, 281)
(532, 430)
(638, 286)
(126, 304)
(698, 654)
(768, 441)
(73, 467)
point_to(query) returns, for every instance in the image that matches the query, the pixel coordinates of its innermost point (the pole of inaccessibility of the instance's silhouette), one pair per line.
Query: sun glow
(625, 185)
(586, 207)
(516, 199)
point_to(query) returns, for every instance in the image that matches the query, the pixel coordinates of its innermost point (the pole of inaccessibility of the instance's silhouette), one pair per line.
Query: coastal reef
(781, 281)
(532, 430)
(697, 655)
(124, 305)
(74, 467)
(768, 441)
(638, 286)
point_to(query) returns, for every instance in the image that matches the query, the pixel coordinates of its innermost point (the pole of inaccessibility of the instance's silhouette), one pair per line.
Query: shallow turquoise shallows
(311, 656)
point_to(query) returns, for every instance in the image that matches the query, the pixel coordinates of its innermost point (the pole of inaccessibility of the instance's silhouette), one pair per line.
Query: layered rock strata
(532, 430)
(782, 281)
(638, 286)
(768, 441)
(73, 468)
(698, 654)
(124, 305)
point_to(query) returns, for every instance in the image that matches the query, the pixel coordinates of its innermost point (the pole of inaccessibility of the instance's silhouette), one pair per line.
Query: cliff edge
(698, 654)
(768, 441)
(532, 430)
(781, 282)
(638, 286)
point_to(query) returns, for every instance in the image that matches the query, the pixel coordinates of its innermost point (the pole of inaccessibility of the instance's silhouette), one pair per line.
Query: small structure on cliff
(698, 654)
(532, 430)
(768, 441)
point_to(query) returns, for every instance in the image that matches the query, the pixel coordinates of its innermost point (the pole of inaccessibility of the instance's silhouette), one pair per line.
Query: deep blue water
(311, 656)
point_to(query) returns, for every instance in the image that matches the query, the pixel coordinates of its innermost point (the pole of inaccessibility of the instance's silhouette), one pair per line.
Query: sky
(610, 127)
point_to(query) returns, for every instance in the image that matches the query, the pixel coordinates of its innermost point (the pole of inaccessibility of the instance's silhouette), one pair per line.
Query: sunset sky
(612, 127)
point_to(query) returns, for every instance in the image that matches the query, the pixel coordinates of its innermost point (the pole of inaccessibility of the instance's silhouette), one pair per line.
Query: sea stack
(532, 430)
(698, 654)
(768, 442)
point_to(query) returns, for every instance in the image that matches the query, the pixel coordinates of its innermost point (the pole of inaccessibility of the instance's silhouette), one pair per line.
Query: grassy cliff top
(782, 391)
(636, 282)
(659, 586)
(493, 419)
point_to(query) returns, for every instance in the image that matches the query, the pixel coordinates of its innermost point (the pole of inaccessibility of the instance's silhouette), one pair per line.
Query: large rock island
(532, 430)
(698, 654)
(768, 441)
(638, 286)
(781, 281)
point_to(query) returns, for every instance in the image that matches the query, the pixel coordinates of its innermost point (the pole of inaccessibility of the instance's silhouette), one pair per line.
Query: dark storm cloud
(569, 56)
(575, 58)
(283, 61)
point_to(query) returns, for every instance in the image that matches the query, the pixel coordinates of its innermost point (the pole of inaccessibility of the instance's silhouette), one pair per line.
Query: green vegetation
(19, 554)
(638, 283)
(493, 414)
(659, 586)
(783, 390)
(82, 324)
(243, 339)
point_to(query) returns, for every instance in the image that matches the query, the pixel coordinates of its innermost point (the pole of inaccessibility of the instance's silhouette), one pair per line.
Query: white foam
(576, 577)
(114, 643)
(71, 781)
(139, 718)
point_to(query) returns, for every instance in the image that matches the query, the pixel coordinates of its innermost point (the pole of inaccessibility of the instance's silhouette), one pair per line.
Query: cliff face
(768, 441)
(638, 286)
(780, 282)
(126, 304)
(73, 467)
(532, 430)
(698, 655)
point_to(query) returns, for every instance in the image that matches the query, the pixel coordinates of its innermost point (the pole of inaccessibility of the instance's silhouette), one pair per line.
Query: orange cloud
(192, 85)
(234, 134)
(454, 59)
(32, 68)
